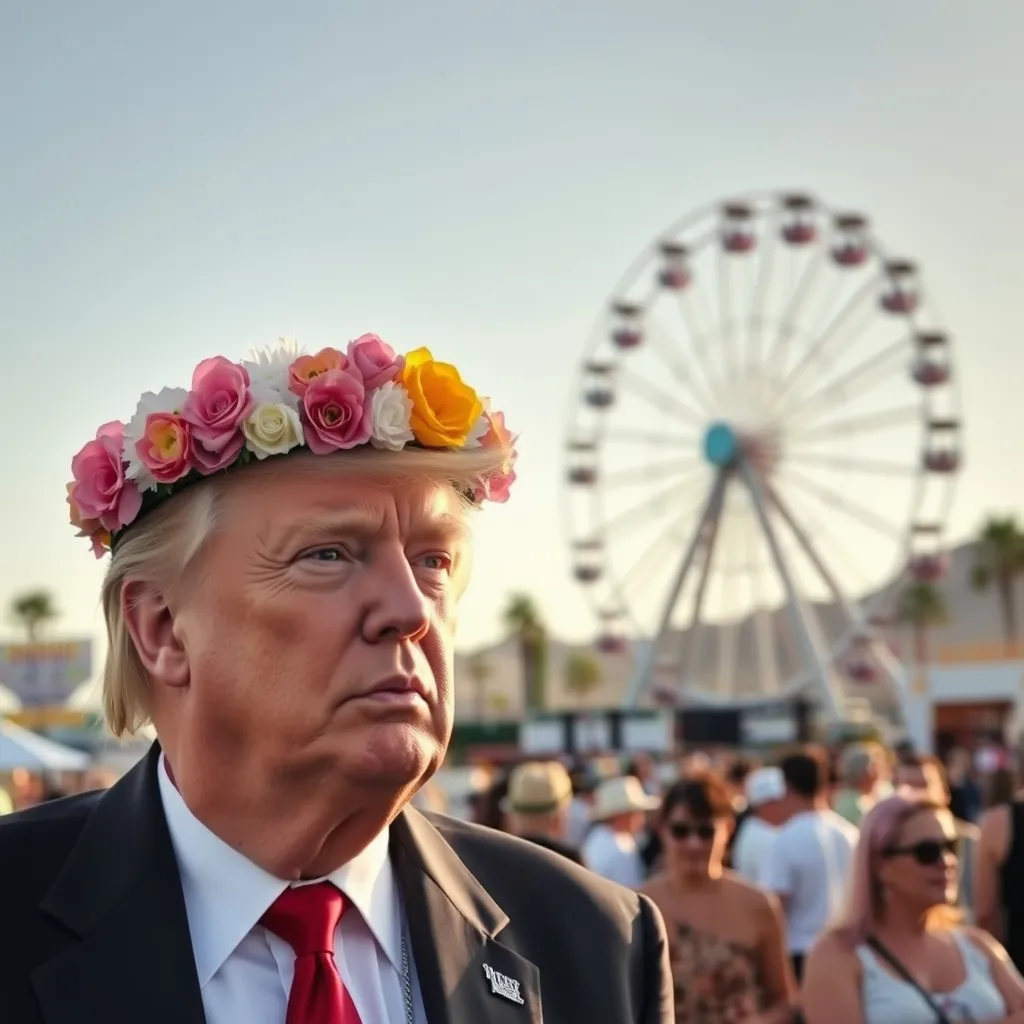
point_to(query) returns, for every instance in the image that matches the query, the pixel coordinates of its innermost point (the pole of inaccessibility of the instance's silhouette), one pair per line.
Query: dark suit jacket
(93, 928)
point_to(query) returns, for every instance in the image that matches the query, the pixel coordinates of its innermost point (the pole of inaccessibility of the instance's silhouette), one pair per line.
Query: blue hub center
(720, 445)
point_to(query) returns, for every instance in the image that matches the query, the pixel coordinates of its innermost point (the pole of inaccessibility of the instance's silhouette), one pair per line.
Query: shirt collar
(226, 893)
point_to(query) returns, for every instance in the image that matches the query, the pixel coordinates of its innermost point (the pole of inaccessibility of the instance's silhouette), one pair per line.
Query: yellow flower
(444, 409)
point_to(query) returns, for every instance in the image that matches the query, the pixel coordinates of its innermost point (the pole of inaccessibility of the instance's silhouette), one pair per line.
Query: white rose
(272, 429)
(390, 409)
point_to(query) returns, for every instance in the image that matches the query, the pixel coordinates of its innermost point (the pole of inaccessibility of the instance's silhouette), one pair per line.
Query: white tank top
(890, 1000)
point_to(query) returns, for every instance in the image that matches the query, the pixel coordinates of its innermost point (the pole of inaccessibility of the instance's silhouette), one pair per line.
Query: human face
(318, 628)
(694, 845)
(920, 865)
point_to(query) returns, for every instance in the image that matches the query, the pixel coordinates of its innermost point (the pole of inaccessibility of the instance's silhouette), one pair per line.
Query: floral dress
(716, 981)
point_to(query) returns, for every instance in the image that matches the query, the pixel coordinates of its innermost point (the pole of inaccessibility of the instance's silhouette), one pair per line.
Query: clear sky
(181, 180)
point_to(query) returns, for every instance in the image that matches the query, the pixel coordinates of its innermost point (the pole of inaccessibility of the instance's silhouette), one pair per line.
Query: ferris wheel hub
(721, 445)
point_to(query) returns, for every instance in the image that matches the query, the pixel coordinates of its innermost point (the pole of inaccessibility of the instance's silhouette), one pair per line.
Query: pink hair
(879, 829)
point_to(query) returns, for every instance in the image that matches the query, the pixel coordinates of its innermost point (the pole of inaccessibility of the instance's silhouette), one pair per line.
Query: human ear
(150, 623)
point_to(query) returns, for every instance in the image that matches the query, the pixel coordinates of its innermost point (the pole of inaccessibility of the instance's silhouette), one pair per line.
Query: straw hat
(537, 787)
(622, 795)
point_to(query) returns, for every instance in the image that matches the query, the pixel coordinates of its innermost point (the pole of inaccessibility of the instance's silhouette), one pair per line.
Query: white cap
(765, 785)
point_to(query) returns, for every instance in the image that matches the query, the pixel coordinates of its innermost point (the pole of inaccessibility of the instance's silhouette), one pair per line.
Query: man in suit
(289, 540)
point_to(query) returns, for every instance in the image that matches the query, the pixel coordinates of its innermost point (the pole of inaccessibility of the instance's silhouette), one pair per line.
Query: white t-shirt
(750, 851)
(809, 864)
(614, 856)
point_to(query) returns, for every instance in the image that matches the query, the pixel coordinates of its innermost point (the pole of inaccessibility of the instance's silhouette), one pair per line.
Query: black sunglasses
(705, 832)
(926, 851)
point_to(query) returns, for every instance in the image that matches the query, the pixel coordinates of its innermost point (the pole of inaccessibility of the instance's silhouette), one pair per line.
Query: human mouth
(398, 692)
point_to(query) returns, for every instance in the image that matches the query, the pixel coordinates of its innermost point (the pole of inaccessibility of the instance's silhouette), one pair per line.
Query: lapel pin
(502, 985)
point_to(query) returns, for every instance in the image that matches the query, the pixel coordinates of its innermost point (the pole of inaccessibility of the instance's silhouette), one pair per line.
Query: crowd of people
(826, 887)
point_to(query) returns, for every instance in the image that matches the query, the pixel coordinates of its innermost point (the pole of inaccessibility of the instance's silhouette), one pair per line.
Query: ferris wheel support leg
(811, 648)
(889, 665)
(642, 681)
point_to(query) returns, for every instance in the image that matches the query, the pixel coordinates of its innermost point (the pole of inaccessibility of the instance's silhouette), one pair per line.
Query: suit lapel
(119, 895)
(466, 975)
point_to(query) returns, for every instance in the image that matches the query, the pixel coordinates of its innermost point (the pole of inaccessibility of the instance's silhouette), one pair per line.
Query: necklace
(406, 977)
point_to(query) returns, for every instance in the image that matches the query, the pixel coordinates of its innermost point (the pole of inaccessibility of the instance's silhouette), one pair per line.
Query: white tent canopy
(21, 748)
(9, 703)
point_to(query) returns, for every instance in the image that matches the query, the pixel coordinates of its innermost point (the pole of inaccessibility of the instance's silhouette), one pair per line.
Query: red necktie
(306, 917)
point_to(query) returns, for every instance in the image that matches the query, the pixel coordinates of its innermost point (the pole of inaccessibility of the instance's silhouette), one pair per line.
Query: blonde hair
(163, 546)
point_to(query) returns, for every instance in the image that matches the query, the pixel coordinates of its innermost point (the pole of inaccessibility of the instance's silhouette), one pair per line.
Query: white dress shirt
(245, 972)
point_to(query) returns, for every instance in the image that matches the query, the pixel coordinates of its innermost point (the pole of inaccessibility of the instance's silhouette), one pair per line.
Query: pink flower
(215, 408)
(496, 487)
(336, 412)
(165, 447)
(101, 497)
(374, 359)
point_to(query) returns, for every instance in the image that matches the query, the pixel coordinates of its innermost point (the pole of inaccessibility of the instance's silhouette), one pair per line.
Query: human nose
(397, 608)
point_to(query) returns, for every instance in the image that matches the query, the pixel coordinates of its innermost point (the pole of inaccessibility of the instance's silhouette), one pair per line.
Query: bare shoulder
(833, 953)
(749, 897)
(994, 824)
(989, 945)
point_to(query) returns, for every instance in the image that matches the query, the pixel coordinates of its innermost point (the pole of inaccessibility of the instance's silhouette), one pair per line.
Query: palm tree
(921, 605)
(998, 561)
(582, 674)
(480, 671)
(523, 621)
(32, 610)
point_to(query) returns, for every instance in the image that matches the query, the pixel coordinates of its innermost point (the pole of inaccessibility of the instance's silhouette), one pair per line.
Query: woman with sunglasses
(901, 955)
(726, 939)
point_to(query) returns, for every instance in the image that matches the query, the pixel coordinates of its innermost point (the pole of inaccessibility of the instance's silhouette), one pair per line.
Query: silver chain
(406, 978)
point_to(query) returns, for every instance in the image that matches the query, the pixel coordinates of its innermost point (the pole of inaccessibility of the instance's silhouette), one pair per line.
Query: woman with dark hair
(726, 939)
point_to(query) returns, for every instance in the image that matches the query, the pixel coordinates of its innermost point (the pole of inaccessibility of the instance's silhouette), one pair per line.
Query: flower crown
(279, 401)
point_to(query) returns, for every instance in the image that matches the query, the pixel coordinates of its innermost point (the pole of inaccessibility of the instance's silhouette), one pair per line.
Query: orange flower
(306, 369)
(444, 409)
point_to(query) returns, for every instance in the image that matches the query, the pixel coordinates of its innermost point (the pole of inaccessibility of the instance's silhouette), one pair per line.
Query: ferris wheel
(764, 441)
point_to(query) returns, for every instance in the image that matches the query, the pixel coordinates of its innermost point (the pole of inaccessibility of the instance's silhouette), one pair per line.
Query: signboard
(45, 674)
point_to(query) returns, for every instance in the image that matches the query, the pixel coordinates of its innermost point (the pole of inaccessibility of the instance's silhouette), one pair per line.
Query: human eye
(330, 553)
(436, 561)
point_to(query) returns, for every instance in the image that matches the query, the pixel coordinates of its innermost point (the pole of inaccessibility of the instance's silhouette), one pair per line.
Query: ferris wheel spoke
(695, 629)
(661, 504)
(651, 437)
(842, 503)
(646, 560)
(660, 400)
(701, 344)
(706, 524)
(725, 313)
(764, 633)
(852, 614)
(681, 370)
(754, 318)
(807, 630)
(826, 337)
(653, 471)
(844, 464)
(728, 638)
(871, 372)
(787, 326)
(857, 425)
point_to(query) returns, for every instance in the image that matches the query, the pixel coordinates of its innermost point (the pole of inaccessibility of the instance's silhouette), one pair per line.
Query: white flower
(272, 429)
(390, 408)
(165, 400)
(268, 374)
